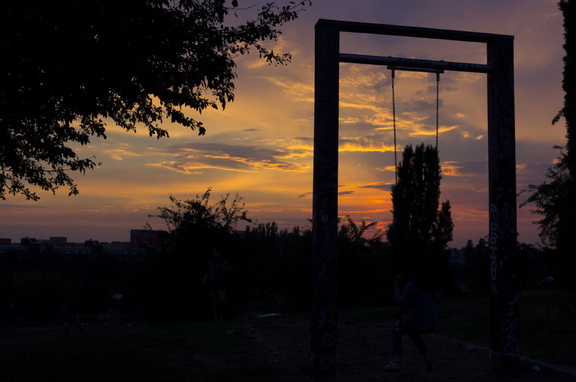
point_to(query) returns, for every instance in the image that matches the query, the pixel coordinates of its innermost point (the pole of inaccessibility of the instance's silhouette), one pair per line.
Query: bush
(39, 294)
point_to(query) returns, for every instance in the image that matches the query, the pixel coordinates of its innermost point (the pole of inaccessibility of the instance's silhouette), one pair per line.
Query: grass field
(547, 324)
(157, 352)
(207, 351)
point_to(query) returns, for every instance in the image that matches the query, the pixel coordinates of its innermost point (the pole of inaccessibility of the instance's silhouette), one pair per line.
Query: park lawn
(213, 351)
(547, 324)
(160, 352)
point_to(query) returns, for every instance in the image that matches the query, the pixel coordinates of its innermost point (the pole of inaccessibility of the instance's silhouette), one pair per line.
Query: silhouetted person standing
(217, 280)
(417, 314)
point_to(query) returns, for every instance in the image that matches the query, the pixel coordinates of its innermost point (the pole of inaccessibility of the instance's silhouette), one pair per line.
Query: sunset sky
(261, 146)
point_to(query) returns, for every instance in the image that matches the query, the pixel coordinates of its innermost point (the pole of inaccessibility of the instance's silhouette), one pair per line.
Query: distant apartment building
(141, 242)
(147, 238)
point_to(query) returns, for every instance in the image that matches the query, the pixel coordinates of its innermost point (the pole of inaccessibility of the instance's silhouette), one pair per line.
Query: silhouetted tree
(170, 282)
(551, 199)
(417, 224)
(274, 269)
(568, 111)
(555, 199)
(71, 67)
(476, 263)
(195, 218)
(356, 235)
(443, 228)
(361, 265)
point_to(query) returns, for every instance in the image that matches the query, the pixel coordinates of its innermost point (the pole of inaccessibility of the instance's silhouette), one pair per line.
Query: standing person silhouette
(417, 315)
(217, 280)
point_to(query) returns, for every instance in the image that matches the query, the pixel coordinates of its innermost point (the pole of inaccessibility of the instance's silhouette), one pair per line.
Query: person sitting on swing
(417, 315)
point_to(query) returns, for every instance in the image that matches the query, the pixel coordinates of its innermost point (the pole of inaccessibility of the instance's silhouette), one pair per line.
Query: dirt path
(363, 351)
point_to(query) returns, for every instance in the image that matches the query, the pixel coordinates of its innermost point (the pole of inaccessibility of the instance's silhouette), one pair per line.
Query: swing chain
(393, 72)
(394, 124)
(437, 105)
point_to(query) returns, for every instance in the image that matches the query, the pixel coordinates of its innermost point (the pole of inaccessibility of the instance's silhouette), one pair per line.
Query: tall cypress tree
(417, 224)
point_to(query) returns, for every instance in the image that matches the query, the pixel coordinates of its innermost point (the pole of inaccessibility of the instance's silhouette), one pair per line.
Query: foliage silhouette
(418, 226)
(363, 264)
(555, 199)
(169, 283)
(270, 266)
(70, 68)
(47, 285)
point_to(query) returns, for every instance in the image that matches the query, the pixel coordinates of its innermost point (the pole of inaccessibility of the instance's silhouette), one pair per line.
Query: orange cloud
(363, 144)
(193, 157)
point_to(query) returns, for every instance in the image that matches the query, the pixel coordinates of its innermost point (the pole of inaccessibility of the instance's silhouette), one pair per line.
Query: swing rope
(394, 125)
(393, 81)
(437, 105)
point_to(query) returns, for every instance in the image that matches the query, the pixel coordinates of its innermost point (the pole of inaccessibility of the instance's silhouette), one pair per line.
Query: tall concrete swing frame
(501, 179)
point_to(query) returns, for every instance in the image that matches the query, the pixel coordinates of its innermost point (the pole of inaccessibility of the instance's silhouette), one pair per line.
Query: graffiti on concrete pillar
(503, 283)
(493, 248)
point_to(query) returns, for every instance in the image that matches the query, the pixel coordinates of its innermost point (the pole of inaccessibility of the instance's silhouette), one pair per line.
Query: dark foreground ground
(363, 351)
(248, 349)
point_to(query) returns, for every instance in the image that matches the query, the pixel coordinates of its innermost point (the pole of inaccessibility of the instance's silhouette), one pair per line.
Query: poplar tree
(418, 225)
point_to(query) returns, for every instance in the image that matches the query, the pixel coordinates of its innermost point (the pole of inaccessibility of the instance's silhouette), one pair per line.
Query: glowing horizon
(261, 146)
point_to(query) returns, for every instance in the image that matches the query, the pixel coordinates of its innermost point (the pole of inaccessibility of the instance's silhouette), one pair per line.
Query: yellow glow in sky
(261, 146)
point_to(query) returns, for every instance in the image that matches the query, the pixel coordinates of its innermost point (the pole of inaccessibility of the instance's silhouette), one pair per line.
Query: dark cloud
(18, 207)
(378, 186)
(252, 152)
(304, 139)
(188, 157)
(466, 169)
(304, 195)
(425, 107)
